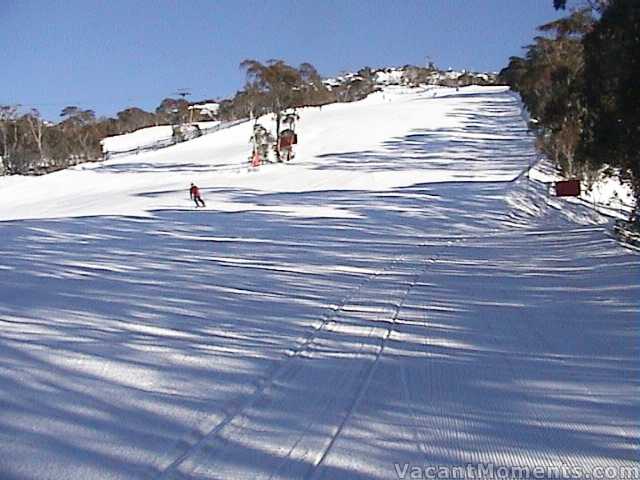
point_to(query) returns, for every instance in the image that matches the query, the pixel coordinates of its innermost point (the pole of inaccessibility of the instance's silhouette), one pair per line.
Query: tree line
(31, 145)
(580, 81)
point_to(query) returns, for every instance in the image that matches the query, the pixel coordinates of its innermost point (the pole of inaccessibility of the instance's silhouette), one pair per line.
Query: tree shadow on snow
(127, 343)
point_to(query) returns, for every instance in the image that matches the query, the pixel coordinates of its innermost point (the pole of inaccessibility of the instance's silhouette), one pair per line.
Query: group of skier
(263, 142)
(282, 144)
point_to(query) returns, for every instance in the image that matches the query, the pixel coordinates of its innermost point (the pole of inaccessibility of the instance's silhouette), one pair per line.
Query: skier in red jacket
(194, 193)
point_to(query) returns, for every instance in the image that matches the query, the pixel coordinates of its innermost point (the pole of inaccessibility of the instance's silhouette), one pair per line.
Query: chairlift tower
(184, 93)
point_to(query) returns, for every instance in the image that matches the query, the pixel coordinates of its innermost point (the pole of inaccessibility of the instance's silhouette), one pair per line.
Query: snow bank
(144, 137)
(607, 195)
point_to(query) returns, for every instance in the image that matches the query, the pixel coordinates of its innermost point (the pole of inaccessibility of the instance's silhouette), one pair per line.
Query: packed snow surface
(400, 296)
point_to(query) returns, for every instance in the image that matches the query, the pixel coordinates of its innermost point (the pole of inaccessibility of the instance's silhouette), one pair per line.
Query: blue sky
(110, 54)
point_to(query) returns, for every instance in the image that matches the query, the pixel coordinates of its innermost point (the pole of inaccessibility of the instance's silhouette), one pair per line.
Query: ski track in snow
(303, 346)
(399, 294)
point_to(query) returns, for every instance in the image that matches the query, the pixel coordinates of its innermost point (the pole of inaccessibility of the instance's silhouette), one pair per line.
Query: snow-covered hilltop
(414, 76)
(398, 297)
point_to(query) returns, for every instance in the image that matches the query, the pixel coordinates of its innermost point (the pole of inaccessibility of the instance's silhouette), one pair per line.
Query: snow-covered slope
(397, 297)
(145, 138)
(353, 146)
(142, 138)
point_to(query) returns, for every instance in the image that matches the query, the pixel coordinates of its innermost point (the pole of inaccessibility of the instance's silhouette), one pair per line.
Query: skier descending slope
(194, 193)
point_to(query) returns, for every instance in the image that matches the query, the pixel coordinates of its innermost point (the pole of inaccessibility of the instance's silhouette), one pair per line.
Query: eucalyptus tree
(278, 82)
